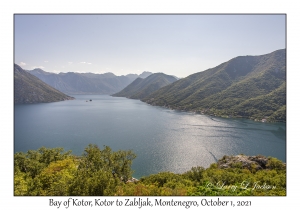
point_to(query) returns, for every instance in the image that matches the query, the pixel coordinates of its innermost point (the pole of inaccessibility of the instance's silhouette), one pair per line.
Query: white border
(8, 8)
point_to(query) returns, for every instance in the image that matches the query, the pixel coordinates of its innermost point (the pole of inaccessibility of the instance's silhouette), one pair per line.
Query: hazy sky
(178, 45)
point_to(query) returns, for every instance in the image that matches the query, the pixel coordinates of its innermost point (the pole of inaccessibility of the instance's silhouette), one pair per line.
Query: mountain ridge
(85, 83)
(141, 88)
(29, 89)
(226, 89)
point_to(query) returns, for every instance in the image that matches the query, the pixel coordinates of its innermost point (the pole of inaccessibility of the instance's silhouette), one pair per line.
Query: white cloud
(22, 64)
(83, 62)
(70, 63)
(46, 61)
(89, 63)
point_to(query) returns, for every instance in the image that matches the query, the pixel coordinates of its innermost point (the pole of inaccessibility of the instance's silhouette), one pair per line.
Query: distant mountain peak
(84, 83)
(38, 70)
(141, 88)
(145, 74)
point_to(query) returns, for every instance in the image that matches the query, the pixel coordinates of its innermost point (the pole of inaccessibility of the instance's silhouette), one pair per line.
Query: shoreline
(263, 120)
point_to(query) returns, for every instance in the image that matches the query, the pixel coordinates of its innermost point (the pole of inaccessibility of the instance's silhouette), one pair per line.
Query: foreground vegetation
(54, 172)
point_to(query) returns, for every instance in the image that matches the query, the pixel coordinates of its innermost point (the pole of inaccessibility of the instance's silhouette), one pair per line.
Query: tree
(55, 179)
(100, 171)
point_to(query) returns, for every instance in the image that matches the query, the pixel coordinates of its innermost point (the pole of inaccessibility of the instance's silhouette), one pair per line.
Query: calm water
(164, 140)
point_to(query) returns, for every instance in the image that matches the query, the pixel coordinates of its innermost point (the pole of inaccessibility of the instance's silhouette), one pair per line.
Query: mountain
(84, 83)
(142, 75)
(141, 88)
(145, 74)
(132, 76)
(29, 89)
(246, 86)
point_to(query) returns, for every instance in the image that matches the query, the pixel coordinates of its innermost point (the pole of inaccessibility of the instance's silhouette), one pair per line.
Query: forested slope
(246, 86)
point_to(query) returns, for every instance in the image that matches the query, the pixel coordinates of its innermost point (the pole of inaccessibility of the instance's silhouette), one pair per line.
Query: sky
(177, 45)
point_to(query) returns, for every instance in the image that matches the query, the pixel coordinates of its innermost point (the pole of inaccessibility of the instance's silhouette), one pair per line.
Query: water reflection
(164, 140)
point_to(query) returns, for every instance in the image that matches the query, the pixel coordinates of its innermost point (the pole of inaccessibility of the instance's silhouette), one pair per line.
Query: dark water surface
(164, 140)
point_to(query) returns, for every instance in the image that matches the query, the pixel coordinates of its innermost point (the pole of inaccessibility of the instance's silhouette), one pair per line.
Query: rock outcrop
(258, 162)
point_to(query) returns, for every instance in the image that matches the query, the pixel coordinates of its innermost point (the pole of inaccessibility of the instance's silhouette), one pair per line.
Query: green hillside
(246, 86)
(29, 89)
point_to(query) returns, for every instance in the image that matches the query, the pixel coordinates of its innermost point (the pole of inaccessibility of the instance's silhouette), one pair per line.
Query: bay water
(162, 139)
